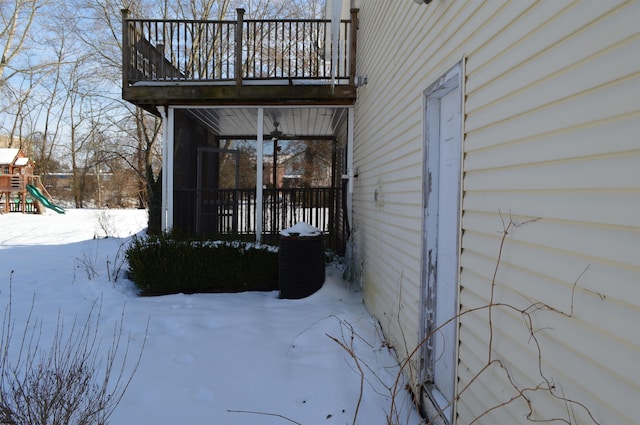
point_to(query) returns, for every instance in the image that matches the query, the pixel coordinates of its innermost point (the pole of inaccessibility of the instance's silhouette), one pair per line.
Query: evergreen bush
(163, 264)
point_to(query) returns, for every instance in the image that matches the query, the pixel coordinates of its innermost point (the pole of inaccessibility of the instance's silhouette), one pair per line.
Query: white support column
(165, 132)
(167, 167)
(170, 157)
(259, 174)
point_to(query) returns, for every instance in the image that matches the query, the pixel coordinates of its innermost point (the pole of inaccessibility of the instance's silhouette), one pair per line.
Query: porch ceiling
(293, 122)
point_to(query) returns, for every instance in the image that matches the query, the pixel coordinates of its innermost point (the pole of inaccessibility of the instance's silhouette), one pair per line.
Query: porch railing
(232, 212)
(156, 50)
(13, 193)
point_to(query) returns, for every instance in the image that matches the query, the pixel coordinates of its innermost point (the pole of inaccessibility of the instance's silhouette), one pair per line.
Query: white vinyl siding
(552, 134)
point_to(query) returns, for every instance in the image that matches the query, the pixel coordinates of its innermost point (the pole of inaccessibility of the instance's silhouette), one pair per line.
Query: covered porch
(250, 172)
(258, 121)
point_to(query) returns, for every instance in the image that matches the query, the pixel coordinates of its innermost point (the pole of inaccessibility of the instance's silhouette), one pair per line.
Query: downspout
(350, 273)
(259, 174)
(350, 172)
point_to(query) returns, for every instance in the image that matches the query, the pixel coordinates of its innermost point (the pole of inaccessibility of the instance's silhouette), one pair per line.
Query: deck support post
(165, 200)
(259, 174)
(126, 64)
(171, 150)
(167, 167)
(353, 44)
(238, 60)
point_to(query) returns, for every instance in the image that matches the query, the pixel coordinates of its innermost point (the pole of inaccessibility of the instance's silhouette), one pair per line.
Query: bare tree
(137, 131)
(21, 67)
(60, 77)
(49, 112)
(16, 18)
(72, 380)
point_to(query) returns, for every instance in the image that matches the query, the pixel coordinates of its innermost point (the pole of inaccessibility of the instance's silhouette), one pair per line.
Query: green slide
(40, 197)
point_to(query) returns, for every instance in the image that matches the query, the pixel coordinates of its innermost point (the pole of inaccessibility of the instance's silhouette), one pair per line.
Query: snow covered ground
(224, 359)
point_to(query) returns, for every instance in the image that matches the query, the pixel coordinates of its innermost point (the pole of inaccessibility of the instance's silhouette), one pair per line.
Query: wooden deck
(241, 62)
(217, 74)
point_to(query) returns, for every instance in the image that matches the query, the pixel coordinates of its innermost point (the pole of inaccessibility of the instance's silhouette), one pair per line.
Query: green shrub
(161, 264)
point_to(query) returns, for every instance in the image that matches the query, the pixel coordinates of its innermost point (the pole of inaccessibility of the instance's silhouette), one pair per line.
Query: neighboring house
(295, 170)
(117, 189)
(491, 159)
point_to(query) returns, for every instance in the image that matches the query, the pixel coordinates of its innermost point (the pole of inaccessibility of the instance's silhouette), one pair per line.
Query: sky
(244, 358)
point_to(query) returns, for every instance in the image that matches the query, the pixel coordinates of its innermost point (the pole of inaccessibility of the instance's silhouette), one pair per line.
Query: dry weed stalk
(68, 382)
(105, 221)
(347, 344)
(348, 347)
(547, 384)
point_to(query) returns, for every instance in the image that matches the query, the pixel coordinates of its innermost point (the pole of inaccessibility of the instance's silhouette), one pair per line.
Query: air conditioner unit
(422, 1)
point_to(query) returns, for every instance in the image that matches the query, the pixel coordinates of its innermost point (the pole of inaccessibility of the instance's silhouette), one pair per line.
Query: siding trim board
(442, 172)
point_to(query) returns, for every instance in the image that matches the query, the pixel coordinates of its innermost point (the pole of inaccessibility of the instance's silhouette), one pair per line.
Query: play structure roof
(7, 155)
(21, 162)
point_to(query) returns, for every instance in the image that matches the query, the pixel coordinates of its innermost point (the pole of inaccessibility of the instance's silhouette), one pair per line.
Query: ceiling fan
(277, 134)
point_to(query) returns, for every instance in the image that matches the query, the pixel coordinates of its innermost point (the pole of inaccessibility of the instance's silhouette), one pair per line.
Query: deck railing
(156, 50)
(13, 193)
(232, 212)
(17, 182)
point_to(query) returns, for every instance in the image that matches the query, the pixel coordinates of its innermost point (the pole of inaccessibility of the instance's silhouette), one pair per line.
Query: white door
(442, 186)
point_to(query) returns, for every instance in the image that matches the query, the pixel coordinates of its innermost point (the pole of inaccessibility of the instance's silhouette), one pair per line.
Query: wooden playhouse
(16, 178)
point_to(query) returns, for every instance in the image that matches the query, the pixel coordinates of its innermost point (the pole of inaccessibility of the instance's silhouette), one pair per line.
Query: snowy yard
(247, 358)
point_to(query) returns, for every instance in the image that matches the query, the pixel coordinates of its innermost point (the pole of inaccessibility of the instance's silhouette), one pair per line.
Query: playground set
(20, 189)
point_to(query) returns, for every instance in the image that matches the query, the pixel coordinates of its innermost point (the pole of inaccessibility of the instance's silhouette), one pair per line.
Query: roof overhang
(150, 96)
(293, 122)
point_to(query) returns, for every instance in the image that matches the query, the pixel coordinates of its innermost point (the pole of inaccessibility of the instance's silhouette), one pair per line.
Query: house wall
(551, 142)
(189, 135)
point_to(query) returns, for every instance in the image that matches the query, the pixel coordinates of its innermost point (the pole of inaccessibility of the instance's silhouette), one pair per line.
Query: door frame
(208, 150)
(431, 399)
